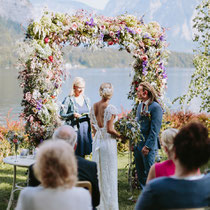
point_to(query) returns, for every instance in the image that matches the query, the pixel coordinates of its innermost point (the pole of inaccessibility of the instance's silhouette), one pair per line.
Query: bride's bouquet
(129, 128)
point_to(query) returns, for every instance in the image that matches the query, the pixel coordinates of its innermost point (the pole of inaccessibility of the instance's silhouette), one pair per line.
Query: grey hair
(167, 137)
(66, 133)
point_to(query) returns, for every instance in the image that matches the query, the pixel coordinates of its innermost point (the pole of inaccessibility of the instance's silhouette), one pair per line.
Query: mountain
(63, 6)
(175, 15)
(10, 32)
(20, 11)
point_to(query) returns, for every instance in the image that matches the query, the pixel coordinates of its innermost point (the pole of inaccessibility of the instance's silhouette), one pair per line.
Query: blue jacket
(150, 123)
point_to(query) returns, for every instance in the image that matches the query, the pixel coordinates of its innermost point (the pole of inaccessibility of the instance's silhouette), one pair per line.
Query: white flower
(36, 94)
(106, 91)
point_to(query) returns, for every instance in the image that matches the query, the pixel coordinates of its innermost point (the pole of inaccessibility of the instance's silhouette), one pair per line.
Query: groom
(149, 115)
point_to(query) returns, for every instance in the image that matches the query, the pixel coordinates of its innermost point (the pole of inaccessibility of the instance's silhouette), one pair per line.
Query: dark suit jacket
(150, 125)
(87, 171)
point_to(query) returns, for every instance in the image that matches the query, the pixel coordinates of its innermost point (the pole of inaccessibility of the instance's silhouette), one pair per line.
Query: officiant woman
(75, 111)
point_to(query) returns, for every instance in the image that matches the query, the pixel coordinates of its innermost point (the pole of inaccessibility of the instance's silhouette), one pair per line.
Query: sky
(98, 4)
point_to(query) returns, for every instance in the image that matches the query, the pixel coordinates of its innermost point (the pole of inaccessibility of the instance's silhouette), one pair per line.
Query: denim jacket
(68, 108)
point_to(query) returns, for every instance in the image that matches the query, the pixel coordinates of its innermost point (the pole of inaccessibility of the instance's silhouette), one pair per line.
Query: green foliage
(113, 58)
(200, 80)
(6, 176)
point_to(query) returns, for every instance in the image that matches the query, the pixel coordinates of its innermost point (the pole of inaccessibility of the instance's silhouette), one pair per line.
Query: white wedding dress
(104, 152)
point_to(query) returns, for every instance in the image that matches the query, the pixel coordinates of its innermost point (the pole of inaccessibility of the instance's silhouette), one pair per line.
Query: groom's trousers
(143, 164)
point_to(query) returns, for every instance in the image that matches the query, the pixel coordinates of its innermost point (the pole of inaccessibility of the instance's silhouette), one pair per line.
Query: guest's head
(56, 165)
(106, 90)
(78, 86)
(167, 139)
(66, 133)
(192, 146)
(146, 91)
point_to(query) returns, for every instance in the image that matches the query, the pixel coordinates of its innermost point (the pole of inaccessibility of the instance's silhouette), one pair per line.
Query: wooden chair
(85, 184)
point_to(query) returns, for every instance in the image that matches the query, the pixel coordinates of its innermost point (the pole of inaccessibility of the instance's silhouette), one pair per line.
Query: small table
(21, 162)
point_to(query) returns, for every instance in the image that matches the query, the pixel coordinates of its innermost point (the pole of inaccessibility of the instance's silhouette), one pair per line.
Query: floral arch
(41, 72)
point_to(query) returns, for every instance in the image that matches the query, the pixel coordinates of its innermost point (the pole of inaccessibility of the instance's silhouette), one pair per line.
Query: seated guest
(165, 168)
(56, 168)
(187, 188)
(87, 170)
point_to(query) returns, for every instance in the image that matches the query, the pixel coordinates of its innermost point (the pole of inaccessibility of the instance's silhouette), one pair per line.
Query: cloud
(175, 30)
(186, 31)
(154, 6)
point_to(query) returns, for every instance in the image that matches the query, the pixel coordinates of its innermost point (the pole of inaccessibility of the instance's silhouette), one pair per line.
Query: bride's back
(99, 108)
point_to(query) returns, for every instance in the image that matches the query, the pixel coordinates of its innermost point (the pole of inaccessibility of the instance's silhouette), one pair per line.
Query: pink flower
(31, 118)
(144, 57)
(74, 26)
(33, 102)
(111, 33)
(28, 96)
(141, 44)
(138, 30)
(46, 40)
(103, 27)
(110, 43)
(15, 141)
(116, 40)
(51, 58)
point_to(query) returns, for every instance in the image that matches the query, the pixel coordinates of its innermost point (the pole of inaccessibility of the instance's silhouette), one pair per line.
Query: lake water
(11, 93)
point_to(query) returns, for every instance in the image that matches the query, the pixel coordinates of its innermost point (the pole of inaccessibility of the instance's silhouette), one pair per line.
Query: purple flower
(164, 75)
(129, 30)
(144, 63)
(144, 71)
(102, 36)
(118, 33)
(146, 36)
(142, 20)
(162, 66)
(39, 104)
(56, 85)
(162, 38)
(91, 23)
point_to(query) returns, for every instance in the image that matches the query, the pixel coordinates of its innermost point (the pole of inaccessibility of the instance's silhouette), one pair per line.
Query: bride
(103, 116)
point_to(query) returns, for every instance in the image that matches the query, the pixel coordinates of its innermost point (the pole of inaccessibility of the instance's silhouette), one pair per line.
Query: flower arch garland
(41, 73)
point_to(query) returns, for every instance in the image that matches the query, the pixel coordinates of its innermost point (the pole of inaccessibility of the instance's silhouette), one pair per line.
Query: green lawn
(6, 176)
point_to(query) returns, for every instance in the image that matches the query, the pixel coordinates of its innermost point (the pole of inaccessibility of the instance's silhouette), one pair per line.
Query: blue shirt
(169, 192)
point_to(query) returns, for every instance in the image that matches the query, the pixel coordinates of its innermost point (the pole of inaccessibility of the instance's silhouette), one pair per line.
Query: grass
(6, 177)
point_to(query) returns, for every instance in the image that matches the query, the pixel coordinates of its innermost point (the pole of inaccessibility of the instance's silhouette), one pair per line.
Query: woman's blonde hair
(56, 165)
(106, 90)
(167, 138)
(78, 82)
